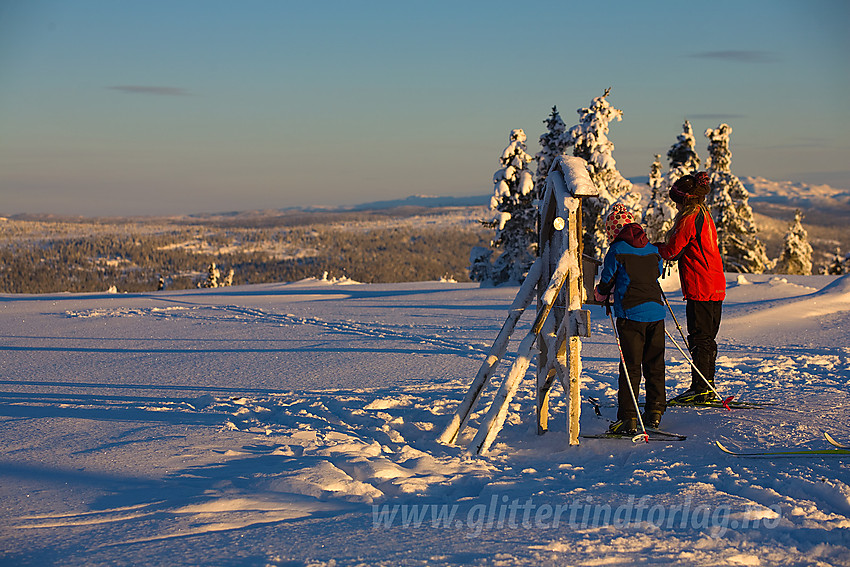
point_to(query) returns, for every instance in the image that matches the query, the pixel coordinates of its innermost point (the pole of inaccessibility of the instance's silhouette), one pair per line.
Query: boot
(652, 419)
(628, 426)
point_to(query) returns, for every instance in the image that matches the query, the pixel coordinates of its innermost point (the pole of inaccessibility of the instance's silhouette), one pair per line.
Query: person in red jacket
(693, 243)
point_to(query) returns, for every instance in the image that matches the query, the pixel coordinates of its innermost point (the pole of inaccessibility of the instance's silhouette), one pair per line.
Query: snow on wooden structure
(557, 278)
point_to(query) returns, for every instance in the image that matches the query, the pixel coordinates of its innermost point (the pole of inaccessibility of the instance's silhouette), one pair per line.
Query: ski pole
(725, 401)
(678, 326)
(645, 435)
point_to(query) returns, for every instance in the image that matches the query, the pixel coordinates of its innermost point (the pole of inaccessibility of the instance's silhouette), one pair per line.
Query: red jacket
(693, 243)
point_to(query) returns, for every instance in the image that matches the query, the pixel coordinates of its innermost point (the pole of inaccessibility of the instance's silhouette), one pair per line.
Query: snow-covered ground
(295, 424)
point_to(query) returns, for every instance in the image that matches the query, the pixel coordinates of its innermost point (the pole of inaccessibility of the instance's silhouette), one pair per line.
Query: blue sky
(119, 107)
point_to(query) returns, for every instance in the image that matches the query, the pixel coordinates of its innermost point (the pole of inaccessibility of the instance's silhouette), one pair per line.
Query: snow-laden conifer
(213, 276)
(839, 265)
(514, 219)
(796, 257)
(589, 139)
(683, 160)
(551, 147)
(656, 176)
(659, 215)
(682, 156)
(480, 265)
(740, 247)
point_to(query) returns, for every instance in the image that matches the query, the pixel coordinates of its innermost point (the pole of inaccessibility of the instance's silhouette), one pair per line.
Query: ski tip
(832, 441)
(722, 447)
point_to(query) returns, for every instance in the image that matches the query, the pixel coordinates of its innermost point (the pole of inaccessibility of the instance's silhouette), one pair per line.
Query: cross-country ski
(651, 435)
(785, 453)
(733, 404)
(832, 441)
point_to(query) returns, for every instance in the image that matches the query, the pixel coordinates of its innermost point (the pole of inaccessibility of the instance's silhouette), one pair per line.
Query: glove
(598, 296)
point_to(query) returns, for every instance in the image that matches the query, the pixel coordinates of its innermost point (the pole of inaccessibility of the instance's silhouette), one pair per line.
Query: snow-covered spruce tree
(740, 247)
(796, 257)
(656, 177)
(840, 264)
(682, 156)
(660, 213)
(551, 147)
(515, 219)
(213, 276)
(683, 160)
(589, 139)
(480, 266)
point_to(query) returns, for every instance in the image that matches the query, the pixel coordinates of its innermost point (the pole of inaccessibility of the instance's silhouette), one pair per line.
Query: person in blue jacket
(630, 273)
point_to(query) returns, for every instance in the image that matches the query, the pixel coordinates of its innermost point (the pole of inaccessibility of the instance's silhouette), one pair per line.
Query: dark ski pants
(703, 325)
(643, 350)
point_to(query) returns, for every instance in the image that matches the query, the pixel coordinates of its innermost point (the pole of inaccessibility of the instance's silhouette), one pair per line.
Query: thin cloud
(803, 143)
(738, 56)
(149, 90)
(716, 116)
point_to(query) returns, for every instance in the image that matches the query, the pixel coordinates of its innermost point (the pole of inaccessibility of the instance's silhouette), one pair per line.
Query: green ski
(793, 453)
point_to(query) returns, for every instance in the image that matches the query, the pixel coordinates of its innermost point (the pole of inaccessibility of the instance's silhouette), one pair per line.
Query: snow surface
(295, 424)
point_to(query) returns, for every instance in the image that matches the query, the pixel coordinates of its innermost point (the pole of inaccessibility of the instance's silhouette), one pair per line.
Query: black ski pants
(703, 325)
(643, 350)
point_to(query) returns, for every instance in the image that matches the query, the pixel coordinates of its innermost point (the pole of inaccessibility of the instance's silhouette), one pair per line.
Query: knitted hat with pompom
(694, 186)
(619, 217)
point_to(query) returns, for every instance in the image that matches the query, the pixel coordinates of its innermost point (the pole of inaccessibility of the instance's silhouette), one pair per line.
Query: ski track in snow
(254, 315)
(318, 455)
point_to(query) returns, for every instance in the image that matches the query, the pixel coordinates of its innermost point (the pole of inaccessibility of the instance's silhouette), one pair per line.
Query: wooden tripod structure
(557, 278)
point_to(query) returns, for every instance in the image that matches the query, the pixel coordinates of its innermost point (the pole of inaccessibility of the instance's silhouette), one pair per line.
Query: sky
(121, 107)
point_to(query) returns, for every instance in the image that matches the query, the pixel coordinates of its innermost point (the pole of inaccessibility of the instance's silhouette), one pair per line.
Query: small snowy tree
(840, 264)
(515, 219)
(480, 265)
(796, 255)
(659, 215)
(740, 247)
(551, 148)
(682, 156)
(683, 159)
(589, 139)
(213, 276)
(656, 178)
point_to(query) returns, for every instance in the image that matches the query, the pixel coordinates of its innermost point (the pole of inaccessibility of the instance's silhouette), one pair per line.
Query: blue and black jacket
(630, 272)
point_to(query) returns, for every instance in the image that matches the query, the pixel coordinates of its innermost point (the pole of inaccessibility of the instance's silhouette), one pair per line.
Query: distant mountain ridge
(790, 193)
(803, 195)
(426, 201)
(773, 195)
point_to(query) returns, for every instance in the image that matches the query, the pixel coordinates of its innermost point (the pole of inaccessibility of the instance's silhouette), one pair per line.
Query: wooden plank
(498, 411)
(495, 417)
(523, 299)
